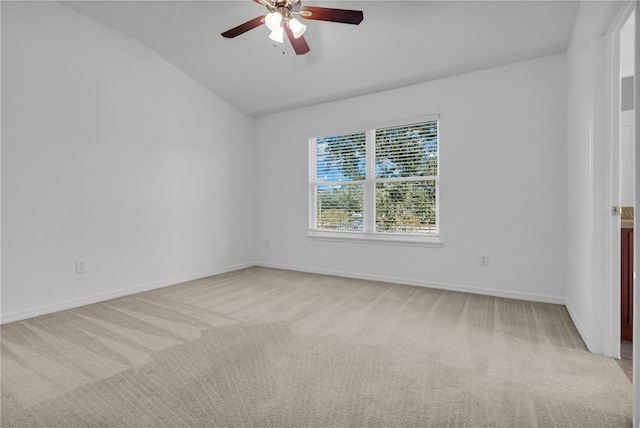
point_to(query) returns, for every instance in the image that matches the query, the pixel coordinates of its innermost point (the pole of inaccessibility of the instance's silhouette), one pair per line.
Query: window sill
(377, 238)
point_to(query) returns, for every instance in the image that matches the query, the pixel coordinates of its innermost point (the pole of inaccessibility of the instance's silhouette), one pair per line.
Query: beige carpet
(271, 348)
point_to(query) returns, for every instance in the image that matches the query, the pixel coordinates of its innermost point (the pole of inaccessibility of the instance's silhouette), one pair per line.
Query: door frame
(636, 299)
(611, 256)
(610, 262)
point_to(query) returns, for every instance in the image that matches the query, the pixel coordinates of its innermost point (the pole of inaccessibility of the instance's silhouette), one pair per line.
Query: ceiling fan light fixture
(277, 35)
(297, 28)
(273, 21)
(280, 20)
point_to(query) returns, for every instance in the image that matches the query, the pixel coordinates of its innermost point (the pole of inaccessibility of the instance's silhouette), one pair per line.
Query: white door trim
(609, 261)
(636, 298)
(612, 188)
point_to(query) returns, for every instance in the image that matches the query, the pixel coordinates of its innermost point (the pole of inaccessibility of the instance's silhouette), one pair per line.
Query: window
(379, 184)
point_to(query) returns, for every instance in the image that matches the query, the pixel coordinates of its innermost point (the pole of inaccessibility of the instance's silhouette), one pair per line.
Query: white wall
(627, 158)
(113, 156)
(627, 119)
(503, 183)
(579, 88)
(627, 47)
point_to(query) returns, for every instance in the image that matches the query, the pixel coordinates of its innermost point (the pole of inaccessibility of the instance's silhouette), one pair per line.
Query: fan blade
(345, 16)
(243, 28)
(300, 44)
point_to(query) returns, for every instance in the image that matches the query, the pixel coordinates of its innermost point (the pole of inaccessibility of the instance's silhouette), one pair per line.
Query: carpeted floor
(270, 348)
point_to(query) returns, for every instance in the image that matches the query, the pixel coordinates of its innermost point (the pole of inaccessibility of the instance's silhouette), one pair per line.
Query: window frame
(369, 235)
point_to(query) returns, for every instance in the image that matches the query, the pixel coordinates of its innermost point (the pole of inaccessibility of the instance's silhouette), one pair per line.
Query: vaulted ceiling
(398, 43)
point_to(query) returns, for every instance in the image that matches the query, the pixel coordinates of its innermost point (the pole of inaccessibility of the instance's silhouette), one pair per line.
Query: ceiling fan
(281, 20)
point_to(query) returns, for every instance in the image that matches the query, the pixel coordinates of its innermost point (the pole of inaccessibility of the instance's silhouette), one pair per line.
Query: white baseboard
(101, 297)
(74, 303)
(428, 284)
(579, 326)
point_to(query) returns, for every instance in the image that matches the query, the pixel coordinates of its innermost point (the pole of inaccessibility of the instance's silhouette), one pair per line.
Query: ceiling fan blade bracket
(295, 6)
(268, 4)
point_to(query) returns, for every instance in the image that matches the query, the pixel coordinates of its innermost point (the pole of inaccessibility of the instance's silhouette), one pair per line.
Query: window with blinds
(379, 181)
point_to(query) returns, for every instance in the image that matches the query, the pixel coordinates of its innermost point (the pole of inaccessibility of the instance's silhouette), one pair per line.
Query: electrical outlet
(267, 243)
(484, 259)
(81, 266)
(229, 246)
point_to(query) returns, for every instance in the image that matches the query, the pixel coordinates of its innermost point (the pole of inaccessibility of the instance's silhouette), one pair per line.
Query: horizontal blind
(339, 207)
(407, 207)
(341, 158)
(407, 151)
(391, 173)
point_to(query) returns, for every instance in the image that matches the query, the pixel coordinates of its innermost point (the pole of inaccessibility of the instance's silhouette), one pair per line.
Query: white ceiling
(398, 43)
